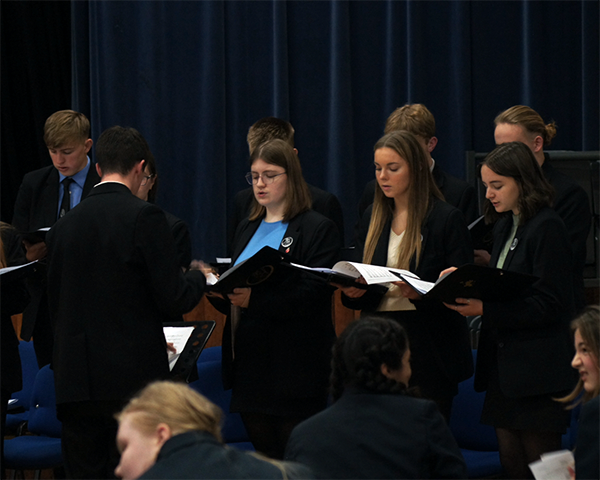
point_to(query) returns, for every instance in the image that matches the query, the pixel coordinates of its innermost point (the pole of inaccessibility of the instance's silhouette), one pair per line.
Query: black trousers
(89, 432)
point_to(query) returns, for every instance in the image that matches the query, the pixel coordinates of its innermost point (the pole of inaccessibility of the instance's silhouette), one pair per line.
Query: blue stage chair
(41, 449)
(210, 385)
(18, 412)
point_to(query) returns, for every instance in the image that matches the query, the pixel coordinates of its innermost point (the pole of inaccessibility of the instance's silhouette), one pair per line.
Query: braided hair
(361, 350)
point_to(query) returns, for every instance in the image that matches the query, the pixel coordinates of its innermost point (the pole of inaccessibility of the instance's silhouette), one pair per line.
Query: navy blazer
(368, 435)
(529, 337)
(288, 319)
(113, 278)
(446, 242)
(199, 455)
(37, 201)
(587, 451)
(37, 207)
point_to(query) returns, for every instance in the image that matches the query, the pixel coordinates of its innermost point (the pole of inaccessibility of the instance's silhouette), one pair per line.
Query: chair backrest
(42, 414)
(464, 419)
(210, 384)
(30, 369)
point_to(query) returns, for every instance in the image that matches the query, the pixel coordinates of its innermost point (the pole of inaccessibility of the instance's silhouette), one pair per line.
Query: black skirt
(539, 412)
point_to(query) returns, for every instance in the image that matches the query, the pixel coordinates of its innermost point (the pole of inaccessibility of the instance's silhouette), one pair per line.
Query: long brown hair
(516, 160)
(297, 196)
(421, 191)
(588, 324)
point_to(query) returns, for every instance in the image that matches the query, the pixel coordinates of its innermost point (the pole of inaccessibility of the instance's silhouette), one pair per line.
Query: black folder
(250, 272)
(17, 272)
(185, 366)
(484, 283)
(35, 236)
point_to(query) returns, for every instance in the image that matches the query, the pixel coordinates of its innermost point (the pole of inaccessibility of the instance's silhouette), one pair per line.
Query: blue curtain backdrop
(192, 76)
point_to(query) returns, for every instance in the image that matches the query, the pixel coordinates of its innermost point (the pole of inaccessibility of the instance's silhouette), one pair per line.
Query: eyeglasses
(146, 179)
(268, 178)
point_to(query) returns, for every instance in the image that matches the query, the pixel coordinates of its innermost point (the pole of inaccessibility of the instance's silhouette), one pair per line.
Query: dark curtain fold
(36, 69)
(192, 76)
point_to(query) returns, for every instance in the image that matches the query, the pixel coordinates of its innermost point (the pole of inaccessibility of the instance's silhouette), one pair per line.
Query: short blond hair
(65, 127)
(175, 404)
(268, 129)
(414, 118)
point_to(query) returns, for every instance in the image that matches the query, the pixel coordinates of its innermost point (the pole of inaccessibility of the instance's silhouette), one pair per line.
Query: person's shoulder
(591, 409)
(452, 180)
(312, 218)
(40, 175)
(319, 193)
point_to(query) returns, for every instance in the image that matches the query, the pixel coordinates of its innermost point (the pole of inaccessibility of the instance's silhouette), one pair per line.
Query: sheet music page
(10, 269)
(371, 273)
(553, 465)
(178, 336)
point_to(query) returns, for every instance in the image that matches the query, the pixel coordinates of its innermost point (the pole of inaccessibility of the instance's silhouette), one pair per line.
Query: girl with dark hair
(409, 226)
(278, 362)
(375, 428)
(524, 347)
(586, 328)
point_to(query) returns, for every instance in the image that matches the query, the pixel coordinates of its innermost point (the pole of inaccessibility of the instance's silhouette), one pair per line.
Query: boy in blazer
(113, 278)
(41, 201)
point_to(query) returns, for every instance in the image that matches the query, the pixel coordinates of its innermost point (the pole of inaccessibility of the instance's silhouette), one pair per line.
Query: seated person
(170, 431)
(375, 428)
(587, 351)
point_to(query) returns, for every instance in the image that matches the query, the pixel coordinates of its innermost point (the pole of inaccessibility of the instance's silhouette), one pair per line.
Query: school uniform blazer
(529, 337)
(323, 202)
(446, 242)
(369, 435)
(37, 207)
(289, 315)
(113, 277)
(199, 455)
(587, 451)
(37, 201)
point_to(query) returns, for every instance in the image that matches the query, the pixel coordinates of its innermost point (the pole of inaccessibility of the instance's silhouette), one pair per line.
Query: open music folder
(250, 272)
(189, 339)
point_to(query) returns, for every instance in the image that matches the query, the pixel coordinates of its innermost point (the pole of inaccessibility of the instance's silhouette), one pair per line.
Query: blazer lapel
(246, 234)
(291, 239)
(50, 203)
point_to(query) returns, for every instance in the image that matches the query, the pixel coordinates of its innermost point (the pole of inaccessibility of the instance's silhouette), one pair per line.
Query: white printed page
(178, 336)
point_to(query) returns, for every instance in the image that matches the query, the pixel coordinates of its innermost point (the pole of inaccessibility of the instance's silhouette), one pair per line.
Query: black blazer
(457, 192)
(113, 277)
(446, 242)
(37, 207)
(367, 435)
(37, 201)
(289, 315)
(529, 337)
(587, 451)
(325, 203)
(13, 299)
(199, 455)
